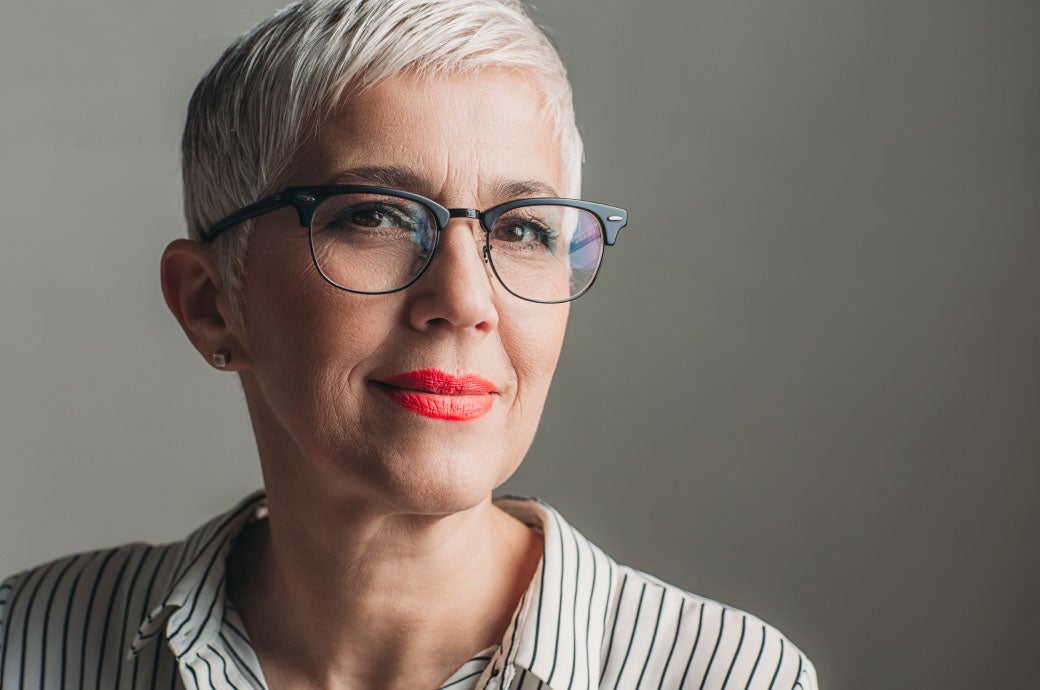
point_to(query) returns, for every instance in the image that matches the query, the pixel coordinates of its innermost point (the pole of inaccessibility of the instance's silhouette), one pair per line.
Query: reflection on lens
(546, 253)
(371, 242)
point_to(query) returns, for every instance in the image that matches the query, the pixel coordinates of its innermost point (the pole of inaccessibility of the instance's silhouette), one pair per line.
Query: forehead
(457, 134)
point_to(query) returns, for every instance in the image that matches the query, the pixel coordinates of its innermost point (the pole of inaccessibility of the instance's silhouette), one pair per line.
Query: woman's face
(320, 361)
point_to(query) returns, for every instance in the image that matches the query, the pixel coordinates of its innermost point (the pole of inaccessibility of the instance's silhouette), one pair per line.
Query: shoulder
(682, 639)
(640, 631)
(89, 616)
(83, 606)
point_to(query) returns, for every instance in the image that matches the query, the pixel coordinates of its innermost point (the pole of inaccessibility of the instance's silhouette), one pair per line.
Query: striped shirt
(143, 616)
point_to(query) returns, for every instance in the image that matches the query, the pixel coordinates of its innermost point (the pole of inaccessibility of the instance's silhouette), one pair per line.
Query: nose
(456, 290)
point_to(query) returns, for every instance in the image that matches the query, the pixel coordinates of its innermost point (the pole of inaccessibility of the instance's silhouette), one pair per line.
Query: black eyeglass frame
(307, 199)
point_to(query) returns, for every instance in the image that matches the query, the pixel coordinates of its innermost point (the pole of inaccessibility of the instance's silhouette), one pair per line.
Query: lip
(439, 395)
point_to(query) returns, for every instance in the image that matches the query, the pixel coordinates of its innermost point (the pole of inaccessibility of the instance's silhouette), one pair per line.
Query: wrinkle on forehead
(471, 139)
(409, 180)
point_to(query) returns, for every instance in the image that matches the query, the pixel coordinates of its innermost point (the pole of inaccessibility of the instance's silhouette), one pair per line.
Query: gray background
(806, 383)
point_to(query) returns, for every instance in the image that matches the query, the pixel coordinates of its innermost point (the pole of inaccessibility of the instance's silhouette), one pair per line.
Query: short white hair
(270, 92)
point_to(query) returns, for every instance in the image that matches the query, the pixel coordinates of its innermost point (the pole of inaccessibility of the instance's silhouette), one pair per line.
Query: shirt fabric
(144, 616)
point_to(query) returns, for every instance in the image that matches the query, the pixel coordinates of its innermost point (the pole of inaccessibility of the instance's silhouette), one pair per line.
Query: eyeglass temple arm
(251, 211)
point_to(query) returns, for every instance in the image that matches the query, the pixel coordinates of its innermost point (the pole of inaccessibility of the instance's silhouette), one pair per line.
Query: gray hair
(269, 93)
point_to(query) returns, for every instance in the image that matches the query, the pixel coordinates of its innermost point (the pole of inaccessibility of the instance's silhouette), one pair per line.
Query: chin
(438, 482)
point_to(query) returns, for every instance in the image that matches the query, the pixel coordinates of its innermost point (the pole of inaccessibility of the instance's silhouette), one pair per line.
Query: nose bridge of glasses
(469, 213)
(463, 213)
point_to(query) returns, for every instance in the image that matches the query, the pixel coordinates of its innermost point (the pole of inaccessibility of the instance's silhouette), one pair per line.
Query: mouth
(439, 395)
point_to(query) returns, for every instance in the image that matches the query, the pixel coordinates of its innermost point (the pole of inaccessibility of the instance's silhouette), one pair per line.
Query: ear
(191, 284)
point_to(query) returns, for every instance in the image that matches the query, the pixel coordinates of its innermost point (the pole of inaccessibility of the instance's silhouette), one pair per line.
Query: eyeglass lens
(378, 243)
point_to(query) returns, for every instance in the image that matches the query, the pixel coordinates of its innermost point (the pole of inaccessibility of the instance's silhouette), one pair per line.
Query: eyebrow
(411, 181)
(513, 189)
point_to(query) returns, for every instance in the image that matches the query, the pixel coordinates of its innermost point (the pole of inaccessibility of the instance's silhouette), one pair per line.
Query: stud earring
(221, 357)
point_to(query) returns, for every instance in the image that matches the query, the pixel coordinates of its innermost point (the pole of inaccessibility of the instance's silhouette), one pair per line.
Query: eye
(518, 232)
(368, 217)
(374, 216)
(523, 232)
(373, 222)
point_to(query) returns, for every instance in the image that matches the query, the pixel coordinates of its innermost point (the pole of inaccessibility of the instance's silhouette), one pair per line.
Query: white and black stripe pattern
(94, 620)
(597, 624)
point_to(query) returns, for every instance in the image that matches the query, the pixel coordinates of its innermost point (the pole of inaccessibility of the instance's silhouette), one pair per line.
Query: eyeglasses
(376, 240)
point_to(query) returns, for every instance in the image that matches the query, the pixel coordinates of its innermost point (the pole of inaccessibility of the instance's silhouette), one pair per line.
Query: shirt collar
(562, 617)
(193, 607)
(557, 633)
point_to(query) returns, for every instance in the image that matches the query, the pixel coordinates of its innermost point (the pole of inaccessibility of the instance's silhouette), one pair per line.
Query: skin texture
(383, 563)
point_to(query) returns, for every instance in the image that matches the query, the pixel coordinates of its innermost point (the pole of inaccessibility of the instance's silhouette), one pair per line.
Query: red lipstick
(439, 395)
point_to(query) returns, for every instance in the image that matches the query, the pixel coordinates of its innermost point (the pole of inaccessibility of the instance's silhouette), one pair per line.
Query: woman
(384, 248)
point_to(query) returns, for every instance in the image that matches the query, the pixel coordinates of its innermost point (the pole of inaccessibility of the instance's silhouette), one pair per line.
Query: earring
(221, 357)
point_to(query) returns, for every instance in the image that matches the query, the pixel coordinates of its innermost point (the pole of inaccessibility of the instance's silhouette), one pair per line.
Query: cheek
(533, 342)
(319, 343)
(308, 341)
(292, 313)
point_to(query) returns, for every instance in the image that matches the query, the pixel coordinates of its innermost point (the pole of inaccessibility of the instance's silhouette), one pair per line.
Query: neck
(367, 596)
